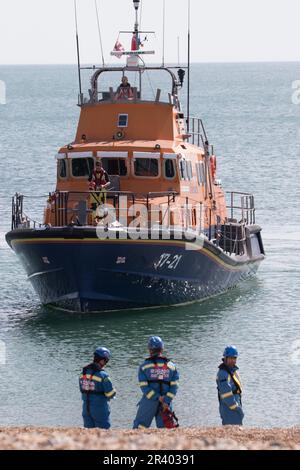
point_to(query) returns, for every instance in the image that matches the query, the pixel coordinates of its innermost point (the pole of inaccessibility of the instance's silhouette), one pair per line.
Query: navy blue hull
(88, 275)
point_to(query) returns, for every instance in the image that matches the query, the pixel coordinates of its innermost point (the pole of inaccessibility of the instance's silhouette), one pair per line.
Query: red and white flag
(119, 48)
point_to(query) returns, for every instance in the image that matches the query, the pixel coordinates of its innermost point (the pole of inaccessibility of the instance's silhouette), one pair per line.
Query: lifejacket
(100, 178)
(238, 390)
(155, 360)
(125, 93)
(87, 386)
(213, 166)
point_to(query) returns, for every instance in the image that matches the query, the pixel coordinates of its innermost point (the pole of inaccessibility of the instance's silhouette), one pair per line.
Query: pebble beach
(227, 438)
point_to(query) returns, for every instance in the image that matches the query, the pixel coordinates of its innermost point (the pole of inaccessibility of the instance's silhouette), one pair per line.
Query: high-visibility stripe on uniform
(150, 394)
(226, 395)
(110, 394)
(170, 395)
(148, 366)
(233, 407)
(143, 384)
(174, 383)
(140, 426)
(97, 379)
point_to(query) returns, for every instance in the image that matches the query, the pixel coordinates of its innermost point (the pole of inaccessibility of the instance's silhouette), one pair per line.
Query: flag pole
(189, 65)
(78, 51)
(164, 27)
(99, 33)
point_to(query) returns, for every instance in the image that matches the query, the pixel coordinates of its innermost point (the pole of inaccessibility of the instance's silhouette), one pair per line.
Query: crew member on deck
(101, 179)
(124, 91)
(158, 379)
(230, 389)
(97, 390)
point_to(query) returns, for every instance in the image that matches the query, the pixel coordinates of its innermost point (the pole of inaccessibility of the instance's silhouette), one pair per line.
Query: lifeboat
(138, 217)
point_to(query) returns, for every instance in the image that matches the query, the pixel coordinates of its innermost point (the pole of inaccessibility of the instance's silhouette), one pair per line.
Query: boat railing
(241, 207)
(74, 208)
(67, 208)
(232, 234)
(197, 134)
(20, 219)
(231, 237)
(136, 93)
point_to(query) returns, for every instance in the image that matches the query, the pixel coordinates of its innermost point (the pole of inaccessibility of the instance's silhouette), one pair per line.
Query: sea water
(252, 118)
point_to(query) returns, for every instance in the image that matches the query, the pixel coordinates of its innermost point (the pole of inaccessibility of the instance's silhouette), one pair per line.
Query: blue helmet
(230, 351)
(102, 353)
(155, 342)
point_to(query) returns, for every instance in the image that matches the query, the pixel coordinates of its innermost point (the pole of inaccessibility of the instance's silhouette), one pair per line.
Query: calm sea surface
(255, 127)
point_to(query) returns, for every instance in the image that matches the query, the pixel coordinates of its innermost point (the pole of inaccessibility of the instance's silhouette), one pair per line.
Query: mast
(136, 4)
(164, 26)
(99, 33)
(78, 51)
(189, 65)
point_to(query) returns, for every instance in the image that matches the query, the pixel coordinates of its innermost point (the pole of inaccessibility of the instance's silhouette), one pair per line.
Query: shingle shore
(237, 438)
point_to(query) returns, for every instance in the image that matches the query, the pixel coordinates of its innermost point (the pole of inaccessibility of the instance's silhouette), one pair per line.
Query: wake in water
(3, 244)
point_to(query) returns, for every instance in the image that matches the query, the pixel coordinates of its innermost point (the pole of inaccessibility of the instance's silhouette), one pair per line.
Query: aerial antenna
(164, 25)
(99, 32)
(189, 65)
(141, 13)
(78, 51)
(136, 4)
(178, 50)
(136, 43)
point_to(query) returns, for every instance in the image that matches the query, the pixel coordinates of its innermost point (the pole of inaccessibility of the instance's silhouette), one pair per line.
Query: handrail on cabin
(246, 210)
(226, 236)
(100, 71)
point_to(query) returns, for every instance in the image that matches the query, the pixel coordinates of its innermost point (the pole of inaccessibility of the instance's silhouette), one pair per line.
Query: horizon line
(267, 61)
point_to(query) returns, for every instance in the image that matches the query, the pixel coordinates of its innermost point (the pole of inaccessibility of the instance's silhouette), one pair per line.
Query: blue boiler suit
(96, 389)
(157, 377)
(229, 391)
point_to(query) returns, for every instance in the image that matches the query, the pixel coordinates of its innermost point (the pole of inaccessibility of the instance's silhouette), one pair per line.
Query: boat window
(62, 168)
(115, 166)
(147, 167)
(183, 170)
(200, 173)
(123, 120)
(189, 170)
(82, 167)
(170, 169)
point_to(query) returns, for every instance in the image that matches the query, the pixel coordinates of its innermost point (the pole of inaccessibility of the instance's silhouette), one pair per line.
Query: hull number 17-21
(169, 261)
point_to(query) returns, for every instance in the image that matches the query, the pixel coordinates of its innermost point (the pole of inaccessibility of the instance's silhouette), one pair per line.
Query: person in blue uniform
(97, 390)
(230, 389)
(158, 380)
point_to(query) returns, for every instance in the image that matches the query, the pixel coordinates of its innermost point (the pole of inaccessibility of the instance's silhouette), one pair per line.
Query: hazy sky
(42, 31)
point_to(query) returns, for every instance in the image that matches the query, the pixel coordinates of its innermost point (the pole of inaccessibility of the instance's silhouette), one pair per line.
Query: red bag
(169, 418)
